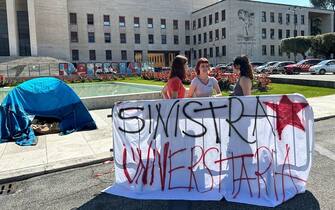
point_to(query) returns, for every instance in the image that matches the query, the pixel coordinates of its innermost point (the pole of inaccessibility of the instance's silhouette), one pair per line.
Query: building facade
(153, 31)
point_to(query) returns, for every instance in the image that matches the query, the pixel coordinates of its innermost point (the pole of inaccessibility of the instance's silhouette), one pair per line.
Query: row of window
(210, 53)
(280, 33)
(202, 22)
(92, 55)
(203, 37)
(280, 18)
(122, 21)
(123, 38)
(272, 51)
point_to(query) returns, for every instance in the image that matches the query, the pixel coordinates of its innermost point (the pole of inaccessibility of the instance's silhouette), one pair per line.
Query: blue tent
(44, 97)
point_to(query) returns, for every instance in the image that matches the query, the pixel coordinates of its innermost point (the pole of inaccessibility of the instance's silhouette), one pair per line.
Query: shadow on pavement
(107, 201)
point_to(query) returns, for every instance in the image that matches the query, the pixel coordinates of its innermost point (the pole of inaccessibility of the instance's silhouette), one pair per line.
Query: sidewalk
(54, 152)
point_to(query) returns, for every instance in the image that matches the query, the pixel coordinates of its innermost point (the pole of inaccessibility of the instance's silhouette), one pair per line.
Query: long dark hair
(178, 67)
(245, 66)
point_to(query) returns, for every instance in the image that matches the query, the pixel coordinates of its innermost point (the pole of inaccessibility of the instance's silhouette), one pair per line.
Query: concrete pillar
(32, 27)
(13, 37)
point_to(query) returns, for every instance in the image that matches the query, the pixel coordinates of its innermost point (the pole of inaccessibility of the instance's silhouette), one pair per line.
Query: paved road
(80, 188)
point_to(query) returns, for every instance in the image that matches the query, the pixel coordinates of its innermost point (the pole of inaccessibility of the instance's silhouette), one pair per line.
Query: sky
(291, 2)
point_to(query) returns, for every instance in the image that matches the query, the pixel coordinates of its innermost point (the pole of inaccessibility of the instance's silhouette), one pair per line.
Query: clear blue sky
(292, 2)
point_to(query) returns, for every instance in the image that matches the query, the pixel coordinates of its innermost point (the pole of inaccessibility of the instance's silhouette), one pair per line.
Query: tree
(323, 45)
(325, 4)
(296, 45)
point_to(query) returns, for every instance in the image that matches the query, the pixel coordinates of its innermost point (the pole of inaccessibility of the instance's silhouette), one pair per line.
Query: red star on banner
(287, 113)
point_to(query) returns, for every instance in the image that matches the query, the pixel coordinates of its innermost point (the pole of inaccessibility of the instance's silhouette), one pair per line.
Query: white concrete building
(153, 30)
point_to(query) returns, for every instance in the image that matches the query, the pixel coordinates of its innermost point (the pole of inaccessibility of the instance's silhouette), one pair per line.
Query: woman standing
(174, 87)
(203, 85)
(243, 67)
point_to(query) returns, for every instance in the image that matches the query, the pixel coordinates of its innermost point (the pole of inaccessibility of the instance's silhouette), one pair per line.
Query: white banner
(255, 150)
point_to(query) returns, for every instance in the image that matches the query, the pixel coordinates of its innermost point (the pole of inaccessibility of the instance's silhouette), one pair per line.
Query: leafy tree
(296, 45)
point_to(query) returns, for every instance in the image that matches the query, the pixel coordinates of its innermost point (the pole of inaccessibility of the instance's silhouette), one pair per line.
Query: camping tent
(44, 97)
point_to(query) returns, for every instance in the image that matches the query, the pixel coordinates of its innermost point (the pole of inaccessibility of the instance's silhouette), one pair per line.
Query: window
(200, 55)
(223, 33)
(194, 54)
(199, 23)
(272, 17)
(73, 18)
(122, 21)
(280, 34)
(187, 40)
(75, 55)
(123, 38)
(187, 25)
(224, 50)
(216, 17)
(210, 19)
(223, 15)
(194, 25)
(137, 39)
(108, 55)
(106, 20)
(263, 16)
(217, 34)
(210, 36)
(272, 33)
(280, 18)
(74, 36)
(194, 39)
(204, 21)
(211, 52)
(288, 33)
(205, 52)
(163, 24)
(217, 51)
(302, 19)
(150, 23)
(150, 38)
(272, 50)
(91, 37)
(295, 32)
(287, 19)
(136, 22)
(280, 52)
(176, 39)
(199, 38)
(264, 50)
(92, 55)
(107, 38)
(124, 55)
(302, 33)
(263, 33)
(175, 24)
(90, 19)
(295, 19)
(163, 37)
(205, 37)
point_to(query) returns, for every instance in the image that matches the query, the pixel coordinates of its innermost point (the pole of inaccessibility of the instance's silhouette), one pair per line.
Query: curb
(324, 118)
(44, 172)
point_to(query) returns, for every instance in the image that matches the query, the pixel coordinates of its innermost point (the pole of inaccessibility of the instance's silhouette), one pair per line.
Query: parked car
(302, 66)
(256, 64)
(263, 68)
(279, 67)
(323, 67)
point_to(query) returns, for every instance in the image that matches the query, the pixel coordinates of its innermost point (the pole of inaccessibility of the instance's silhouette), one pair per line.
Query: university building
(154, 30)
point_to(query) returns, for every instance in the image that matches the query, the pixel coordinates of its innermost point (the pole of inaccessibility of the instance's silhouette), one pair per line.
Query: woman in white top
(203, 85)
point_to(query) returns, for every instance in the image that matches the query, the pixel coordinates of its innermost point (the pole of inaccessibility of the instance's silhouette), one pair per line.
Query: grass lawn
(307, 91)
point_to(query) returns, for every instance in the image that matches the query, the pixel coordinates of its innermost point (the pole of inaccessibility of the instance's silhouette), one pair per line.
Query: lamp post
(295, 22)
(214, 54)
